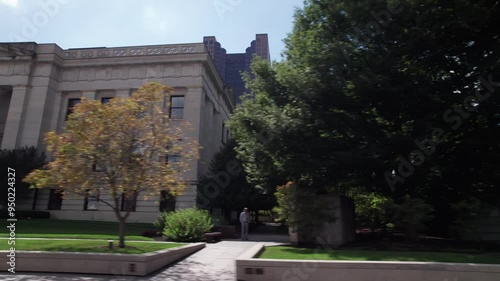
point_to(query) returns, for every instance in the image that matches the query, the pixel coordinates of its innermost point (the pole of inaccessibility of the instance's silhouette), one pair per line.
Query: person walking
(244, 218)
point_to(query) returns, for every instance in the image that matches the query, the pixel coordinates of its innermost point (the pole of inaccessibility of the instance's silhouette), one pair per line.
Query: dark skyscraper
(230, 66)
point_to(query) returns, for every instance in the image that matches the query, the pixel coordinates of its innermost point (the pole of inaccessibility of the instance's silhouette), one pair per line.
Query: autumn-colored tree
(120, 149)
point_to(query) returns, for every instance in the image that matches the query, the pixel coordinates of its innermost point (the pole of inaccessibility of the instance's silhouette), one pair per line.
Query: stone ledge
(97, 263)
(248, 268)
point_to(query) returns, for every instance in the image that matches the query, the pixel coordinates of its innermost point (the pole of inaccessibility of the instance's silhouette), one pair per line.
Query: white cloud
(11, 3)
(155, 22)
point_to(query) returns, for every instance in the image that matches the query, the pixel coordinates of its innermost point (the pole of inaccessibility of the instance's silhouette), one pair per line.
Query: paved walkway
(213, 263)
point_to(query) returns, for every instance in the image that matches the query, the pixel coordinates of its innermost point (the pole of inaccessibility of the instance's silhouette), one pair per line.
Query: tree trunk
(121, 232)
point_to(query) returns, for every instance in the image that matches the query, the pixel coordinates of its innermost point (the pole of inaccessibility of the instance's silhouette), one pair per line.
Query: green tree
(120, 149)
(393, 96)
(225, 186)
(22, 160)
(372, 210)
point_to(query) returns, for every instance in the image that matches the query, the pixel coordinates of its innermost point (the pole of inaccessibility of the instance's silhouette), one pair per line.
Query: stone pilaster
(15, 117)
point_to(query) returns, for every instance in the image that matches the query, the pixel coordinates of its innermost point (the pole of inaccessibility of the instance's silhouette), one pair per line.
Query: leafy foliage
(396, 97)
(187, 225)
(160, 222)
(372, 209)
(225, 186)
(303, 210)
(118, 148)
(412, 215)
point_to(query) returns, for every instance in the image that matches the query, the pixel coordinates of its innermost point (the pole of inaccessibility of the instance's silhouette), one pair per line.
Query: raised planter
(97, 263)
(249, 268)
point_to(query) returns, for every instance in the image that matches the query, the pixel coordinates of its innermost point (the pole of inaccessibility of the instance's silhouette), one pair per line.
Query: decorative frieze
(134, 51)
(70, 55)
(87, 54)
(173, 50)
(120, 53)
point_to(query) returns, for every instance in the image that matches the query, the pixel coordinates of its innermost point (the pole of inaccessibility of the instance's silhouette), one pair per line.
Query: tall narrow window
(71, 104)
(176, 107)
(91, 201)
(55, 200)
(167, 201)
(173, 156)
(129, 201)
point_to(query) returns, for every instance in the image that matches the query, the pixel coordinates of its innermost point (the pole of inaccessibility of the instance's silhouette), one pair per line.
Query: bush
(302, 210)
(412, 216)
(371, 209)
(160, 222)
(187, 225)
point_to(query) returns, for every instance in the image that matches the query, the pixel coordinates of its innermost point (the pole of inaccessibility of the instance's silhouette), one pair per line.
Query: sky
(115, 23)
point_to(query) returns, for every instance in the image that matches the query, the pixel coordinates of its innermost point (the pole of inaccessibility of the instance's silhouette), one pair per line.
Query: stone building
(40, 82)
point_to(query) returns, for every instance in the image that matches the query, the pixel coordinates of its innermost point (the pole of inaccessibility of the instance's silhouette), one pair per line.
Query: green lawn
(39, 228)
(87, 246)
(287, 252)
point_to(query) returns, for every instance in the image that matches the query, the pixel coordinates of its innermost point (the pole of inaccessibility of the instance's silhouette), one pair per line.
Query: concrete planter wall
(97, 263)
(249, 268)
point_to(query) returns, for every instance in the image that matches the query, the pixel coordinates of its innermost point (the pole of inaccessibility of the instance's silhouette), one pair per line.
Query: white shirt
(243, 217)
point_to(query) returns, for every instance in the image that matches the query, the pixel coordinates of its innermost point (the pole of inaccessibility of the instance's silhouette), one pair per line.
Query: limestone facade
(38, 81)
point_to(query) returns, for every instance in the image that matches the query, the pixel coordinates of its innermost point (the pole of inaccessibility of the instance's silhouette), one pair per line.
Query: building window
(71, 104)
(177, 107)
(55, 200)
(105, 100)
(173, 155)
(173, 158)
(91, 201)
(167, 201)
(129, 202)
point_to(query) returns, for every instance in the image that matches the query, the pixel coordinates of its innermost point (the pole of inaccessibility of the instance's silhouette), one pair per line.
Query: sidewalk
(216, 262)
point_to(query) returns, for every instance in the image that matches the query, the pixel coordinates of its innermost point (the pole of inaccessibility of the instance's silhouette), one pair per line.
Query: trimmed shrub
(187, 225)
(160, 222)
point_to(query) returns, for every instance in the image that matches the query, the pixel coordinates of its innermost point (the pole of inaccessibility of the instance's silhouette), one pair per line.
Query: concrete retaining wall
(249, 268)
(97, 263)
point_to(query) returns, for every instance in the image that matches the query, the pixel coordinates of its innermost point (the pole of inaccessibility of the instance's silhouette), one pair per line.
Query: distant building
(39, 84)
(230, 66)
